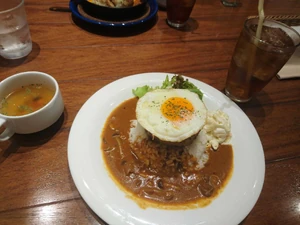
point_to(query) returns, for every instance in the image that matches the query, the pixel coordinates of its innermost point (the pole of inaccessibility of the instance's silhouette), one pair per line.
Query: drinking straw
(252, 54)
(261, 16)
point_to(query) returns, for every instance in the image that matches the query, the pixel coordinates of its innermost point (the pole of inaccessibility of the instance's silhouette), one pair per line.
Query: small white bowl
(35, 121)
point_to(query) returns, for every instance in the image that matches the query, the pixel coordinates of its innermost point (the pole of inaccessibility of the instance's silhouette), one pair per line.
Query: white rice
(198, 149)
(137, 133)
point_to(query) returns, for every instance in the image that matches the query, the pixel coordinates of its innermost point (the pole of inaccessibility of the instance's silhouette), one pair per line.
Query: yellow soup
(25, 100)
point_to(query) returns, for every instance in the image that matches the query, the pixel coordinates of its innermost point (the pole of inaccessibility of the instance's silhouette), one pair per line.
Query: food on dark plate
(115, 10)
(159, 173)
(116, 3)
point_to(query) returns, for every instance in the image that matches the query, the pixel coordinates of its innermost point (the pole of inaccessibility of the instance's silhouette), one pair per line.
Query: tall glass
(15, 40)
(256, 61)
(179, 11)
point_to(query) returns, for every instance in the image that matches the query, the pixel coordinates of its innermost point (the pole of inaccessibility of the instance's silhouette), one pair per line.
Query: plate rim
(153, 11)
(84, 194)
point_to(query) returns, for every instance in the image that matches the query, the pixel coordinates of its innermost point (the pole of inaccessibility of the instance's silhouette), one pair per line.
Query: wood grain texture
(278, 205)
(36, 184)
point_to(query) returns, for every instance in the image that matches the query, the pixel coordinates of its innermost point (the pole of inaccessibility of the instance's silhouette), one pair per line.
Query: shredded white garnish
(217, 128)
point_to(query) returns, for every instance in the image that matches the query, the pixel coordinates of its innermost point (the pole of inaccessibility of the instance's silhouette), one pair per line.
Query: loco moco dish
(165, 149)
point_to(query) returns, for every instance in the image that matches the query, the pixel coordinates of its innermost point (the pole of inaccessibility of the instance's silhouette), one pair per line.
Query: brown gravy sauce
(174, 185)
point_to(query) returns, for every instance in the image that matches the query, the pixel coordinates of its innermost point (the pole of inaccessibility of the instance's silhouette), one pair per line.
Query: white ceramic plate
(110, 203)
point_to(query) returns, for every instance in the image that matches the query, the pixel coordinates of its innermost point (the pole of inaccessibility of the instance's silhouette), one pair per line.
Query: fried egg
(171, 115)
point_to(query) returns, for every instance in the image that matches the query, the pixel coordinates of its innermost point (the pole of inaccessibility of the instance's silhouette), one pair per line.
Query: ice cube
(274, 36)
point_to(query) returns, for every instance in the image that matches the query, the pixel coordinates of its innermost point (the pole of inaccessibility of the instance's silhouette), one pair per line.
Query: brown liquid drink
(179, 11)
(256, 61)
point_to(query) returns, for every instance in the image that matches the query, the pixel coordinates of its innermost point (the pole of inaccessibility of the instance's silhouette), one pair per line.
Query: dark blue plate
(79, 13)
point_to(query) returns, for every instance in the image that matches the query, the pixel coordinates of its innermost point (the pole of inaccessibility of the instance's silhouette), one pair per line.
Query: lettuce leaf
(167, 83)
(141, 91)
(177, 82)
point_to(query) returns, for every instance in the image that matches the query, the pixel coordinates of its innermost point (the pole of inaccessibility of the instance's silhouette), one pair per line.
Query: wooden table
(36, 184)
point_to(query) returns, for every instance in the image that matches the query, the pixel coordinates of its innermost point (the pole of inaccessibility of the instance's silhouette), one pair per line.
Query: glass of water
(15, 40)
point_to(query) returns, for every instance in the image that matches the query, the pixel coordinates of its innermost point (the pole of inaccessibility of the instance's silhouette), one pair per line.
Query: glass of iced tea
(256, 61)
(179, 11)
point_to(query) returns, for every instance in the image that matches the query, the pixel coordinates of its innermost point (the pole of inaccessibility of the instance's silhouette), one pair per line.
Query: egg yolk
(177, 109)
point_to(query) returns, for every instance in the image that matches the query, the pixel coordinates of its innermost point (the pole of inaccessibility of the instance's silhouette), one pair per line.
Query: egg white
(150, 117)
